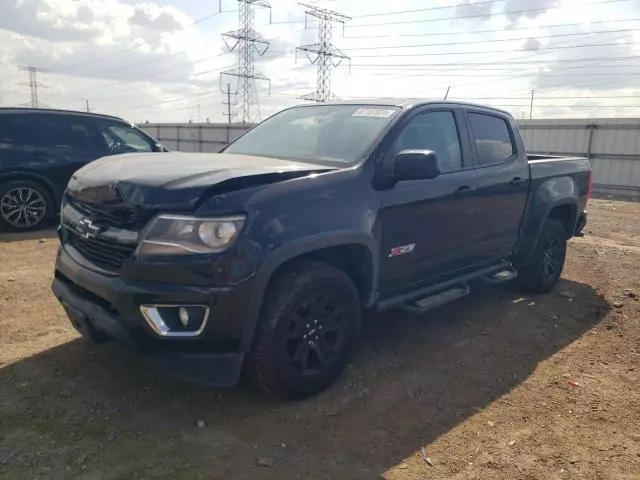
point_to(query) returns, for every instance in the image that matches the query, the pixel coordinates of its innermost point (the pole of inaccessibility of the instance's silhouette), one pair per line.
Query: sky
(161, 60)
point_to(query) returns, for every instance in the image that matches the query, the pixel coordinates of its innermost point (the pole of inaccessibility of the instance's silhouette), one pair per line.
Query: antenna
(323, 54)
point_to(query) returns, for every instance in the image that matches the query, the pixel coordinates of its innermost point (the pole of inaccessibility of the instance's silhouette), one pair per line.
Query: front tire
(24, 205)
(307, 331)
(545, 266)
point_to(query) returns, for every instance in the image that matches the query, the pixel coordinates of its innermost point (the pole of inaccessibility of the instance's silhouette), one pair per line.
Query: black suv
(41, 148)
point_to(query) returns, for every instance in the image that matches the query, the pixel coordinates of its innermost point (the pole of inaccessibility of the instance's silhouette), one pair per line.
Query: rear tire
(545, 266)
(307, 331)
(24, 206)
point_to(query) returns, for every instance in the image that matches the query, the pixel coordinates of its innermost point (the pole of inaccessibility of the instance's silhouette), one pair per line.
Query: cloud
(474, 9)
(515, 10)
(159, 18)
(592, 68)
(532, 44)
(48, 19)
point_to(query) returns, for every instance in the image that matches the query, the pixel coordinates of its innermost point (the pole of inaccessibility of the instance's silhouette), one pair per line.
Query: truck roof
(410, 103)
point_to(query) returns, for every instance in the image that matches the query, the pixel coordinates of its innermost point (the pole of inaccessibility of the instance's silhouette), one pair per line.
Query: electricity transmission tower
(248, 43)
(323, 54)
(33, 85)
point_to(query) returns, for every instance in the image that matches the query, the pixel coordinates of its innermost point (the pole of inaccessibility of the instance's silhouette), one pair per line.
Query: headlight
(181, 235)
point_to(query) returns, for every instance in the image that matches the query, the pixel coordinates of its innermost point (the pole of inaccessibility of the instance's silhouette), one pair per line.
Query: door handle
(517, 181)
(464, 189)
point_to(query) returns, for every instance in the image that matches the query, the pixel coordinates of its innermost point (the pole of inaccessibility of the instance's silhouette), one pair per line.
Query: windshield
(325, 134)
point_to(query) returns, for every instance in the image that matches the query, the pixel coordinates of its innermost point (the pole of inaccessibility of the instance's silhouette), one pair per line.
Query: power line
(499, 30)
(473, 42)
(326, 54)
(541, 49)
(490, 14)
(248, 42)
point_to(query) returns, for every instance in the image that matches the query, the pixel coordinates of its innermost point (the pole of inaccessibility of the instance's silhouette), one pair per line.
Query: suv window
(7, 132)
(492, 138)
(436, 131)
(41, 130)
(123, 138)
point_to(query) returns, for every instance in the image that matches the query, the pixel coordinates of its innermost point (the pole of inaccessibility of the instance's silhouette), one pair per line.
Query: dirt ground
(496, 386)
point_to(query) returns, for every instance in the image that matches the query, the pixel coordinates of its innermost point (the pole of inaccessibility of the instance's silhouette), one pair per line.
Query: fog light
(176, 320)
(183, 315)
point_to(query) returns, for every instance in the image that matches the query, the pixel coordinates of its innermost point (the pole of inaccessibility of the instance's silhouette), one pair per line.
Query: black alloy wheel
(24, 205)
(317, 330)
(545, 265)
(307, 330)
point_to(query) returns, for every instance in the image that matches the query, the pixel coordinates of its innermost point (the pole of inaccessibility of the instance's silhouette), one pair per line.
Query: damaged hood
(178, 180)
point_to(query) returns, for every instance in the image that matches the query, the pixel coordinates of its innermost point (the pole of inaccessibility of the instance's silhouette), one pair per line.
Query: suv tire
(24, 205)
(543, 271)
(307, 330)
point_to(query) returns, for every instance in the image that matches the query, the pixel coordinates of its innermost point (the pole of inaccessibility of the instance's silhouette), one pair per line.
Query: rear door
(424, 223)
(10, 147)
(57, 144)
(503, 183)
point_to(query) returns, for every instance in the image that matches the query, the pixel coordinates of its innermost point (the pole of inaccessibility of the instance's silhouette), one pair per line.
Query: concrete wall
(613, 145)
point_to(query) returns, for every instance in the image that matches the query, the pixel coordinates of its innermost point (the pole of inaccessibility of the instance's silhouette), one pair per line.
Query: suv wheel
(24, 205)
(307, 331)
(543, 271)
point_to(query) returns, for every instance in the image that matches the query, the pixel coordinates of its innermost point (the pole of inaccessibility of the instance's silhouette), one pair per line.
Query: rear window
(492, 138)
(8, 132)
(49, 130)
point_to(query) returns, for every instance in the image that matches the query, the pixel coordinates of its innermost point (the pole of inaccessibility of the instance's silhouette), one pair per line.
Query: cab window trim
(458, 119)
(510, 159)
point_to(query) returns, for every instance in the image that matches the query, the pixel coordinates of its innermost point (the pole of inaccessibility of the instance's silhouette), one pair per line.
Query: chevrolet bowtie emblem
(87, 228)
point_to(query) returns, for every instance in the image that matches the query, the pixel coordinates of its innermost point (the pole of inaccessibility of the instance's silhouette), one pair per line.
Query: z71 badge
(403, 250)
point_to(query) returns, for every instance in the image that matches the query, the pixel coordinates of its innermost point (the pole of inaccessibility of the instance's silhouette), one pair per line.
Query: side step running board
(455, 287)
(439, 299)
(501, 276)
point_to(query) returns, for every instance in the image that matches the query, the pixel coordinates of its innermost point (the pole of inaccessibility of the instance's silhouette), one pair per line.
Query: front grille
(118, 216)
(105, 254)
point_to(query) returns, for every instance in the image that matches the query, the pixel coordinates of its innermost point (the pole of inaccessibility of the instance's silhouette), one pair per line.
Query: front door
(424, 223)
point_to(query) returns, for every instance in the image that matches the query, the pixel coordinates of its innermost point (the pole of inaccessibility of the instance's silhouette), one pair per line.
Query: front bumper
(108, 307)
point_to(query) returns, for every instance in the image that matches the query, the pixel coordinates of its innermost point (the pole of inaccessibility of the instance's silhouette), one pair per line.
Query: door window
(7, 132)
(43, 130)
(435, 131)
(123, 138)
(492, 138)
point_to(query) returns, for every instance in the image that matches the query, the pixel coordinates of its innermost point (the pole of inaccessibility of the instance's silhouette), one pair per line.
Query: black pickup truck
(262, 258)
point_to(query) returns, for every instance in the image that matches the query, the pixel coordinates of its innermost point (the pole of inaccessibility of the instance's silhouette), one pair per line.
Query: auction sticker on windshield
(373, 112)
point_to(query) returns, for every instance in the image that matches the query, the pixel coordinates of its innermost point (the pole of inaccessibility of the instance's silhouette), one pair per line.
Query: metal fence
(612, 145)
(194, 137)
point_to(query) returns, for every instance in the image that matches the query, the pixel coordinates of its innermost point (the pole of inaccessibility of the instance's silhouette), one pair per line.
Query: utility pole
(33, 84)
(248, 43)
(87, 105)
(228, 103)
(323, 54)
(531, 107)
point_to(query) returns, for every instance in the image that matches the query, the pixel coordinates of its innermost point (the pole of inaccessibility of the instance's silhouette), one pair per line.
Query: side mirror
(158, 147)
(416, 165)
